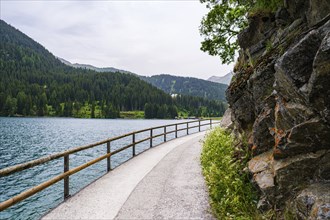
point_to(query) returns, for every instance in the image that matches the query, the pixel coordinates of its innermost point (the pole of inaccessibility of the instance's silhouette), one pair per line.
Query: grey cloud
(143, 37)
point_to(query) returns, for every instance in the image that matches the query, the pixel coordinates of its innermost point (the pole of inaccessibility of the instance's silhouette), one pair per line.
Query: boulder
(263, 140)
(318, 9)
(318, 85)
(243, 111)
(297, 62)
(282, 34)
(313, 202)
(226, 121)
(310, 136)
(282, 17)
(290, 113)
(241, 105)
(260, 84)
(297, 8)
(252, 34)
(322, 173)
(261, 167)
(294, 81)
(294, 173)
(261, 162)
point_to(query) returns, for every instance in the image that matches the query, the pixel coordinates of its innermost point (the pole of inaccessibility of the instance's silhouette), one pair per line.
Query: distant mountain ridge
(222, 79)
(188, 86)
(91, 67)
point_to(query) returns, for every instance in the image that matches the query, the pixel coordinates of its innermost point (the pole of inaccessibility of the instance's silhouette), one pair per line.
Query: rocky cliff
(279, 100)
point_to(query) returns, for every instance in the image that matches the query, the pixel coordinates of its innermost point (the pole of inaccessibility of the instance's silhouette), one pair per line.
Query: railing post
(133, 142)
(210, 123)
(66, 179)
(176, 131)
(109, 158)
(151, 138)
(165, 134)
(187, 128)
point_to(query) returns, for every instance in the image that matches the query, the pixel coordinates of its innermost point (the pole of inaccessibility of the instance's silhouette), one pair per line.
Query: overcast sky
(144, 37)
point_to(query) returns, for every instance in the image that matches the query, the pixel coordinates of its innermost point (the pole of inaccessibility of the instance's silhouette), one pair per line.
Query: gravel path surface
(174, 189)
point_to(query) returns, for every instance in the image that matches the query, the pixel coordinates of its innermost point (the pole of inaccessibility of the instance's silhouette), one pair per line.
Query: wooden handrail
(65, 154)
(44, 185)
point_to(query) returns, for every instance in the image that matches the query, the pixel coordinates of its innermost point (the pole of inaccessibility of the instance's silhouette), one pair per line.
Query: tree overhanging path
(164, 182)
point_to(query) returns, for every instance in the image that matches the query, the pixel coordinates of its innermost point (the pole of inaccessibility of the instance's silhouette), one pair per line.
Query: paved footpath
(164, 182)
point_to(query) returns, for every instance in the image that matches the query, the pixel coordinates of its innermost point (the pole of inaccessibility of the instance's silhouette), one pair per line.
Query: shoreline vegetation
(100, 109)
(122, 115)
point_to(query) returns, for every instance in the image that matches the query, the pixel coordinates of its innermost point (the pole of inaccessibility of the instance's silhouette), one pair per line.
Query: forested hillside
(35, 83)
(188, 86)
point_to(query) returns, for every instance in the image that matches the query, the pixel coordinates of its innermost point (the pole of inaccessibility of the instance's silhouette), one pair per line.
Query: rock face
(226, 121)
(280, 100)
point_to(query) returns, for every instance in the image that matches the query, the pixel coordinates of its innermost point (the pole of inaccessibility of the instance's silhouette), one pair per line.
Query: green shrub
(231, 194)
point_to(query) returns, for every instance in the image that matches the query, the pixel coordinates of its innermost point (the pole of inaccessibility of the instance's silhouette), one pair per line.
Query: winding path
(164, 182)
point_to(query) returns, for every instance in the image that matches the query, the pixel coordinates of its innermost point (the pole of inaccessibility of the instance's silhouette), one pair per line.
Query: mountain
(168, 83)
(188, 86)
(222, 79)
(90, 67)
(33, 82)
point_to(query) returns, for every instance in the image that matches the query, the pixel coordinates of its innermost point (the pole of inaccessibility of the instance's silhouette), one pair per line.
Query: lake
(25, 139)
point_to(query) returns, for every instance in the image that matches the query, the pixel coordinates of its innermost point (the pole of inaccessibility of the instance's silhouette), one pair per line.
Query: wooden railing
(67, 172)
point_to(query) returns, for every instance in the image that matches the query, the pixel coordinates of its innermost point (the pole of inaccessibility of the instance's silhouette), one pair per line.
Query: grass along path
(231, 194)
